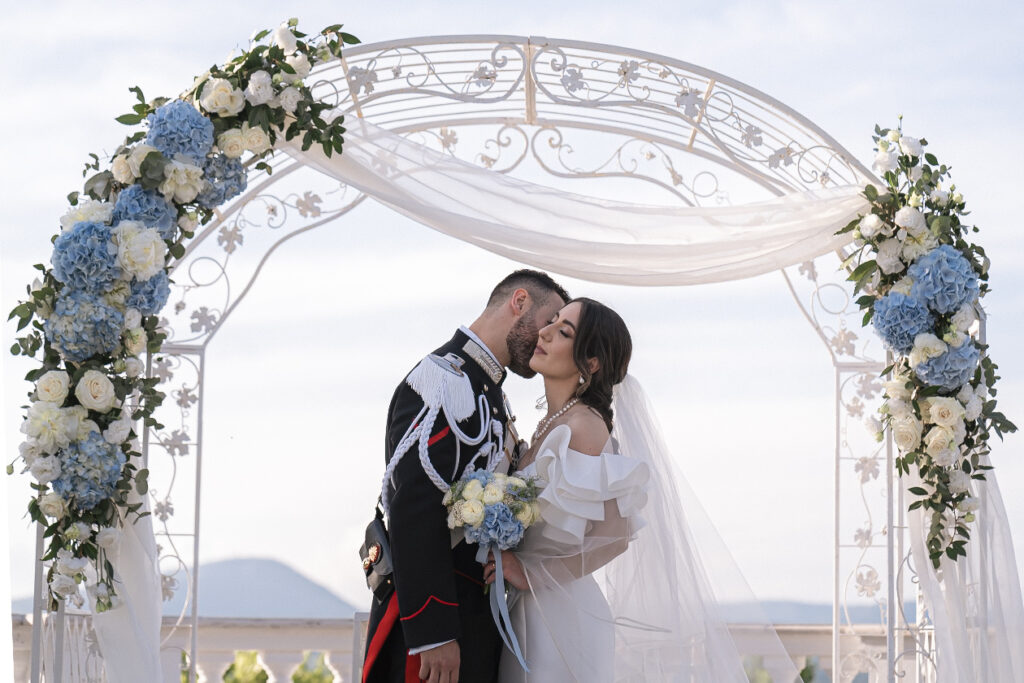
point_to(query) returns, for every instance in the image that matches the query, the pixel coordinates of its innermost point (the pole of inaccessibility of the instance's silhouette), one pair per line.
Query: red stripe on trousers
(381, 635)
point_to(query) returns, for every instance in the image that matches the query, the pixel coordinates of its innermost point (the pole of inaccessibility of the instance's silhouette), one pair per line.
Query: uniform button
(494, 411)
(486, 388)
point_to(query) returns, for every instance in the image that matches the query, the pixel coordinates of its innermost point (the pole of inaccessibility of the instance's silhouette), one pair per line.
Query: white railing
(282, 645)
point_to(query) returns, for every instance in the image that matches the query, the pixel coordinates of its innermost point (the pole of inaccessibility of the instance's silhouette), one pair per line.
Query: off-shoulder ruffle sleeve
(577, 487)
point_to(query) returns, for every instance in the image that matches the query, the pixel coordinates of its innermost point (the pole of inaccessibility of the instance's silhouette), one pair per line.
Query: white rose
(45, 425)
(888, 257)
(916, 246)
(492, 494)
(256, 139)
(945, 411)
(28, 451)
(231, 143)
(135, 341)
(898, 407)
(885, 161)
(904, 285)
(108, 537)
(926, 346)
(946, 457)
(221, 98)
(300, 63)
(95, 391)
(896, 387)
(77, 422)
(133, 367)
(516, 482)
(911, 146)
(472, 490)
(870, 225)
(45, 469)
(959, 482)
(906, 433)
(893, 135)
(63, 585)
(119, 430)
(964, 317)
(69, 565)
(137, 156)
(183, 181)
(939, 197)
(473, 512)
(910, 218)
(969, 504)
(53, 386)
(285, 39)
(141, 252)
(122, 170)
(260, 89)
(87, 210)
(973, 408)
(525, 515)
(938, 439)
(52, 505)
(289, 99)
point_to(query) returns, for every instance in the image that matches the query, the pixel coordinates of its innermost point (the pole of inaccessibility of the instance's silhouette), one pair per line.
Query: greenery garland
(93, 313)
(922, 280)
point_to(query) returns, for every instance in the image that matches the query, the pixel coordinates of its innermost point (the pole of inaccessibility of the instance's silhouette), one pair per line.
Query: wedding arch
(471, 135)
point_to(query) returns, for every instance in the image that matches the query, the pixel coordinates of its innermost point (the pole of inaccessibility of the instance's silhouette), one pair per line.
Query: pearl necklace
(544, 424)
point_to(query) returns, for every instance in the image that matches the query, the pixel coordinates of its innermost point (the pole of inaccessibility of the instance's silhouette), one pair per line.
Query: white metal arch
(571, 112)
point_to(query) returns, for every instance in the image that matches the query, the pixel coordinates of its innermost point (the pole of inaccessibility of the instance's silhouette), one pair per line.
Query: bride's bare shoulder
(589, 432)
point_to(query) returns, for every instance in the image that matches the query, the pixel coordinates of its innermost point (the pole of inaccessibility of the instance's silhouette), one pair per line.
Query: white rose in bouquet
(906, 433)
(285, 39)
(122, 170)
(28, 451)
(911, 146)
(898, 407)
(188, 222)
(964, 317)
(938, 439)
(870, 225)
(472, 490)
(52, 505)
(896, 386)
(473, 512)
(260, 89)
(888, 257)
(87, 210)
(256, 139)
(945, 411)
(231, 143)
(289, 99)
(132, 318)
(53, 386)
(959, 481)
(45, 469)
(516, 482)
(119, 430)
(915, 200)
(182, 181)
(926, 346)
(939, 197)
(910, 218)
(108, 537)
(492, 494)
(221, 98)
(525, 515)
(300, 63)
(946, 458)
(95, 391)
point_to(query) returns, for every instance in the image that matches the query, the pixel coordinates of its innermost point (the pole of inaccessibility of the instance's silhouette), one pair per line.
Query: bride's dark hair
(600, 334)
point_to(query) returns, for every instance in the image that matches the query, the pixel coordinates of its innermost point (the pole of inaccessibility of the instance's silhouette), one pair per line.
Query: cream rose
(939, 197)
(260, 89)
(472, 490)
(231, 143)
(52, 505)
(897, 407)
(911, 219)
(938, 439)
(492, 494)
(53, 386)
(122, 170)
(525, 515)
(95, 391)
(221, 98)
(945, 411)
(141, 251)
(256, 139)
(896, 387)
(289, 99)
(473, 512)
(516, 482)
(870, 225)
(108, 537)
(906, 432)
(926, 346)
(45, 469)
(182, 182)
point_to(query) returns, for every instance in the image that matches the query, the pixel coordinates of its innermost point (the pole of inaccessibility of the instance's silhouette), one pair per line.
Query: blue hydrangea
(177, 128)
(138, 204)
(149, 296)
(225, 179)
(85, 257)
(499, 527)
(89, 471)
(899, 318)
(944, 279)
(82, 325)
(952, 369)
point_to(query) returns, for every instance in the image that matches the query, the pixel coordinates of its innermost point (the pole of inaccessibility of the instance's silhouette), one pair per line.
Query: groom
(436, 626)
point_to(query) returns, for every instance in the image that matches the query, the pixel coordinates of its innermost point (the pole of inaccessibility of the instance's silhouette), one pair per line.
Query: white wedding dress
(617, 588)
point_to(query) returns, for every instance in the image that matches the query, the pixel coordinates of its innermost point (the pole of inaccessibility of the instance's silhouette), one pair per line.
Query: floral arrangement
(493, 508)
(922, 281)
(93, 313)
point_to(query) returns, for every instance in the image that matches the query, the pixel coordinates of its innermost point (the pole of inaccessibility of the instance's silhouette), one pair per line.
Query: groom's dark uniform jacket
(439, 590)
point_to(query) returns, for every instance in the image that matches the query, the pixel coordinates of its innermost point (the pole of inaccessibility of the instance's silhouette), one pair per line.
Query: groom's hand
(440, 664)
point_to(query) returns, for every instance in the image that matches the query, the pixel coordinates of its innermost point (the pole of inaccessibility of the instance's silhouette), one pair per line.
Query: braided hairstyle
(600, 334)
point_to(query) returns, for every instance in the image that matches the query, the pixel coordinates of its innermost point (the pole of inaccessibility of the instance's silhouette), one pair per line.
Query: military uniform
(448, 414)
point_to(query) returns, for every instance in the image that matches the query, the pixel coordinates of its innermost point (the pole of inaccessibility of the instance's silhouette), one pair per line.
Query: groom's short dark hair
(537, 283)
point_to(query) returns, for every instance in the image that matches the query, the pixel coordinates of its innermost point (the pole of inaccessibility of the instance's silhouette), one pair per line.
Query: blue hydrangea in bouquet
(494, 510)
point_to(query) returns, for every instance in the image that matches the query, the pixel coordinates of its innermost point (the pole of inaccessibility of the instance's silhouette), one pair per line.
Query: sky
(297, 383)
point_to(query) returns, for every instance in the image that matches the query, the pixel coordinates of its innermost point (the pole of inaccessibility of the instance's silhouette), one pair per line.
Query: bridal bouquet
(495, 510)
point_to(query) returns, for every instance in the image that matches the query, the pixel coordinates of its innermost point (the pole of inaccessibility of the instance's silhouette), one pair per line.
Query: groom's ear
(520, 301)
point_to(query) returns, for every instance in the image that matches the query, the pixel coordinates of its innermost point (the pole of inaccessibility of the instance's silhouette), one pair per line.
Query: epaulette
(441, 383)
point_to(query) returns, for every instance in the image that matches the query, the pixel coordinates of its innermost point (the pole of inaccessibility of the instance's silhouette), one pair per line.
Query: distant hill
(249, 588)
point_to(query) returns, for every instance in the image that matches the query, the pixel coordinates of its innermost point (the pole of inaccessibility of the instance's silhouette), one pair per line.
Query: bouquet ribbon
(499, 603)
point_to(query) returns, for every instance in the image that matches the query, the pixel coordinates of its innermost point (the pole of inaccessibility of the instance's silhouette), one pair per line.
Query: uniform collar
(483, 356)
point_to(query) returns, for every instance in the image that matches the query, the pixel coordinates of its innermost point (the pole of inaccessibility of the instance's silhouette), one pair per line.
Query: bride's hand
(512, 570)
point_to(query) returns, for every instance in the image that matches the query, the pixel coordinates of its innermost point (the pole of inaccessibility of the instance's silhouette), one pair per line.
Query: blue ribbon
(499, 604)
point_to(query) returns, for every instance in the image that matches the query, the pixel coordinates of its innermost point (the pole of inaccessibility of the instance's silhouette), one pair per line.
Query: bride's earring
(541, 403)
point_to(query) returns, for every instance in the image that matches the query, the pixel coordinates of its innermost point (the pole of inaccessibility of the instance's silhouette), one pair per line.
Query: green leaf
(98, 186)
(138, 93)
(349, 39)
(863, 270)
(129, 119)
(917, 490)
(142, 482)
(871, 192)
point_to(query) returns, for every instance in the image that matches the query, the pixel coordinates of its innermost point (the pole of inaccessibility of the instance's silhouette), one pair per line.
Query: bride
(608, 595)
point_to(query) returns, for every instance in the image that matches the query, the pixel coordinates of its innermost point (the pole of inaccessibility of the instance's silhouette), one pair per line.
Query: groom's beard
(521, 341)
